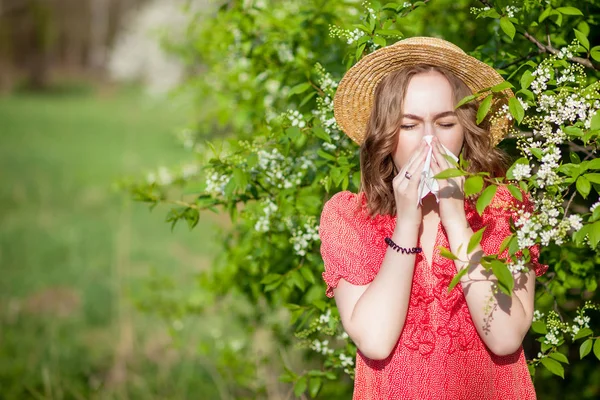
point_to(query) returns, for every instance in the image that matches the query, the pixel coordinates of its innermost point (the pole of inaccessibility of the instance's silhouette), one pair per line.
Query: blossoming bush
(265, 125)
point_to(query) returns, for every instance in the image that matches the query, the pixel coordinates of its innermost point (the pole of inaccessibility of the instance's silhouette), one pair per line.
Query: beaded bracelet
(404, 250)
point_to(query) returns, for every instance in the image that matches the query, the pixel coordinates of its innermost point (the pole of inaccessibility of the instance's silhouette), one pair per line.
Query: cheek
(454, 140)
(407, 145)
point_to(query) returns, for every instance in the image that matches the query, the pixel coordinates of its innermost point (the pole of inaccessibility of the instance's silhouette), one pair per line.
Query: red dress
(439, 354)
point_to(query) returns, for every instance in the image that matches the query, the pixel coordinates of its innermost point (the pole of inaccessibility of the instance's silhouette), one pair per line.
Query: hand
(405, 189)
(451, 195)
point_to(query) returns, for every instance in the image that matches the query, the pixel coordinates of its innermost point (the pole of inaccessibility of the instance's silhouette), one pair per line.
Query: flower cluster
(296, 118)
(518, 266)
(322, 347)
(325, 81)
(522, 171)
(263, 224)
(556, 328)
(279, 171)
(303, 238)
(345, 34)
(215, 183)
(511, 11)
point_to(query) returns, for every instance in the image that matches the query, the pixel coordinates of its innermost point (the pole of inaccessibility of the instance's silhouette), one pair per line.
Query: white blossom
(522, 171)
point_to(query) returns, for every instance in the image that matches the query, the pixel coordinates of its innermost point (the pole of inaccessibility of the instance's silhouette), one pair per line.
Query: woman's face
(428, 109)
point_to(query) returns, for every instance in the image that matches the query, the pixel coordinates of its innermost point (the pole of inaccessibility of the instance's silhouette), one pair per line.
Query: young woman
(380, 247)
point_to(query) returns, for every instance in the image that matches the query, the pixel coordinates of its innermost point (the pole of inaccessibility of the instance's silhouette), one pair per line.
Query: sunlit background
(85, 104)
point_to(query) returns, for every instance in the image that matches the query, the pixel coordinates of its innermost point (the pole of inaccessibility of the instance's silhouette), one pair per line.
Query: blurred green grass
(73, 251)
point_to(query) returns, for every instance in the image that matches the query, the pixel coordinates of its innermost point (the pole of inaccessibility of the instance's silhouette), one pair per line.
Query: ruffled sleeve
(497, 219)
(348, 242)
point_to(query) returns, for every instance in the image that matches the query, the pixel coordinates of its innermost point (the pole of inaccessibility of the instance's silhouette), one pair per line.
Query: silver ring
(407, 175)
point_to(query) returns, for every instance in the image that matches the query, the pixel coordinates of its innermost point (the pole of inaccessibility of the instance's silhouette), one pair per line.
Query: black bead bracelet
(404, 250)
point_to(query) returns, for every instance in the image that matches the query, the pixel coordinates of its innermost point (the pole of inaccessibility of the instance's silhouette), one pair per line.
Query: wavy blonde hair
(376, 152)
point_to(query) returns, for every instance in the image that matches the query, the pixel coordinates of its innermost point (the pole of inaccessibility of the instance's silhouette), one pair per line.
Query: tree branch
(547, 48)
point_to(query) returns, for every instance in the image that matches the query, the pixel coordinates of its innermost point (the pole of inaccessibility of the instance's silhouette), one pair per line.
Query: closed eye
(407, 126)
(447, 125)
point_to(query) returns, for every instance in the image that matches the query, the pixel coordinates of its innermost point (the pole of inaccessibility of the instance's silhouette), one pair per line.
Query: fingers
(419, 152)
(438, 155)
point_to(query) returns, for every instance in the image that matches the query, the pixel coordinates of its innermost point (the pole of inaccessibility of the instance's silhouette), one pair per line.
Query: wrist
(457, 227)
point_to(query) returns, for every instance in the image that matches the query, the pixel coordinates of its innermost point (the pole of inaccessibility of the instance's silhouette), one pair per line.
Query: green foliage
(271, 74)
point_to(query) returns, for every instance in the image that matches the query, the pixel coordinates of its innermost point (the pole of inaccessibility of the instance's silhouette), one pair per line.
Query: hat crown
(430, 41)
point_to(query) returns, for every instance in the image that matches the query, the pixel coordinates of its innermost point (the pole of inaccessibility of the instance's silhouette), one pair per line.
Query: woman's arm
(501, 320)
(373, 315)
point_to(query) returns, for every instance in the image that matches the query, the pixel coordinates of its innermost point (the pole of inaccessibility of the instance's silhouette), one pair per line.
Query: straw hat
(356, 91)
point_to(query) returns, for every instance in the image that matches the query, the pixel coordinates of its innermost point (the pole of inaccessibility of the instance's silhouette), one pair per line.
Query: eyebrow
(436, 116)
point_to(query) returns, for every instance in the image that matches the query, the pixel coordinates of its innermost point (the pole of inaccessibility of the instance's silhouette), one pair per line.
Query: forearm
(500, 320)
(379, 314)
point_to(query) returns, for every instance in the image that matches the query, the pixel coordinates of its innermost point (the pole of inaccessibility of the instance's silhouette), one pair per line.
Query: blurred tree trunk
(41, 28)
(99, 19)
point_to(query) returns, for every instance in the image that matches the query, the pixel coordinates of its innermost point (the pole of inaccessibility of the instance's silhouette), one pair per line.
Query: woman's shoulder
(347, 206)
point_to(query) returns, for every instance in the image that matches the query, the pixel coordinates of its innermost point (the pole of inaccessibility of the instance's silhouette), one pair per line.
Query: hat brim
(355, 93)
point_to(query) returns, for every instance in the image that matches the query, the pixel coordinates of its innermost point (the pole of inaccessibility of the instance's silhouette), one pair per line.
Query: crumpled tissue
(427, 183)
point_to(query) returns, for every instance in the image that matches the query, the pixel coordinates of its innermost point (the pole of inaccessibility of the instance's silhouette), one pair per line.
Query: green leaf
(595, 53)
(545, 14)
(484, 108)
(389, 32)
(444, 252)
(325, 155)
(536, 152)
(321, 134)
(473, 184)
(506, 242)
(583, 333)
(307, 98)
(515, 191)
(554, 366)
(378, 40)
(573, 131)
(516, 109)
(582, 39)
(307, 274)
(314, 385)
(465, 100)
(485, 198)
(595, 121)
(300, 386)
(359, 51)
(560, 357)
(450, 173)
(597, 349)
(300, 88)
(501, 86)
(456, 278)
(526, 79)
(583, 186)
(593, 177)
(569, 11)
(539, 327)
(585, 348)
(297, 279)
(508, 27)
(506, 281)
(270, 278)
(475, 240)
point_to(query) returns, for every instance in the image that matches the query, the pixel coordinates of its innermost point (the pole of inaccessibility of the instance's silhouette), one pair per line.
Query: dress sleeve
(346, 237)
(497, 219)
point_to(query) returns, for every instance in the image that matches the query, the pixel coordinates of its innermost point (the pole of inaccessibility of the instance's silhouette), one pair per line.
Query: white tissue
(427, 183)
